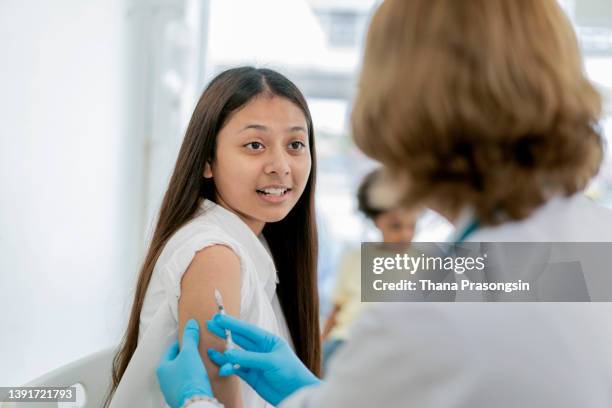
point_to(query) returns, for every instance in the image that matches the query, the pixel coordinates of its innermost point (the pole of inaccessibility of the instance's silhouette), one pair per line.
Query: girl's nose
(278, 163)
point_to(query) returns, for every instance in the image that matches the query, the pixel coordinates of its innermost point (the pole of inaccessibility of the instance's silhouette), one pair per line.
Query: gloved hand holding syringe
(262, 359)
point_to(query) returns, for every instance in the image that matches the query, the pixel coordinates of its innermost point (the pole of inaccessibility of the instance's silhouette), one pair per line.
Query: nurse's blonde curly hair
(478, 102)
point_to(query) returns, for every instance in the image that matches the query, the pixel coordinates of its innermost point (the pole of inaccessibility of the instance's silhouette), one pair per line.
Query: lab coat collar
(256, 246)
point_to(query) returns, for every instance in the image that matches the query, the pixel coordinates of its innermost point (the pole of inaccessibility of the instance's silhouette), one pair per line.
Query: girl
(238, 216)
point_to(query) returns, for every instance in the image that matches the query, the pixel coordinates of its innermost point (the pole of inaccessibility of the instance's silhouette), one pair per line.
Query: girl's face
(262, 161)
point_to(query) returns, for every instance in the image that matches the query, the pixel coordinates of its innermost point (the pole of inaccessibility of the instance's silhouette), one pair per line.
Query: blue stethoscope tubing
(467, 231)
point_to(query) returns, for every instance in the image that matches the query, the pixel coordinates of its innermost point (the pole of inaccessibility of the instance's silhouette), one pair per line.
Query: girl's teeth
(274, 191)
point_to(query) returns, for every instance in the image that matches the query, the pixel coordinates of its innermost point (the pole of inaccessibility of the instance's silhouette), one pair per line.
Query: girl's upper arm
(214, 267)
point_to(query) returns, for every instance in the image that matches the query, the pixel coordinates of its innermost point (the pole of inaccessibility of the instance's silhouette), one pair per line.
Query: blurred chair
(91, 375)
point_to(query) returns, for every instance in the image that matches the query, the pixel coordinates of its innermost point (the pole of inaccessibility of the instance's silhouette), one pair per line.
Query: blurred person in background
(396, 225)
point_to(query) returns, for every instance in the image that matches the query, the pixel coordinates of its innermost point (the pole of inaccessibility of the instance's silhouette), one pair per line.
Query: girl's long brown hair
(292, 241)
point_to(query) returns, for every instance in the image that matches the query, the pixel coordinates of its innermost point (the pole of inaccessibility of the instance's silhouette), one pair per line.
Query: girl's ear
(208, 171)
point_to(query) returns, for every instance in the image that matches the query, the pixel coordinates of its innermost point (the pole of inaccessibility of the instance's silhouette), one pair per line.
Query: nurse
(480, 110)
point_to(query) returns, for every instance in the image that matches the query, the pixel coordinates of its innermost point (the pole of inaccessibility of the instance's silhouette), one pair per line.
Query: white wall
(66, 194)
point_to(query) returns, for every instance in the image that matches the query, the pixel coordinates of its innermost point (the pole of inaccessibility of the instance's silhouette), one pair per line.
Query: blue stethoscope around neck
(467, 231)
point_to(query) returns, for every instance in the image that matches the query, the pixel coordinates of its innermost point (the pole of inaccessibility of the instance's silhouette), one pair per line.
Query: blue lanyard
(469, 230)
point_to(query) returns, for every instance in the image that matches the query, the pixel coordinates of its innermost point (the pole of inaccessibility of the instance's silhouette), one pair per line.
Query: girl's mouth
(274, 192)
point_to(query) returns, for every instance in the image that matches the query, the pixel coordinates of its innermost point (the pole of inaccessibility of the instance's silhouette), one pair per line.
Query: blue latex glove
(182, 375)
(266, 362)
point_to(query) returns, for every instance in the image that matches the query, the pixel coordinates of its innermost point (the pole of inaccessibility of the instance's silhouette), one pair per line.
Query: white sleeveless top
(259, 304)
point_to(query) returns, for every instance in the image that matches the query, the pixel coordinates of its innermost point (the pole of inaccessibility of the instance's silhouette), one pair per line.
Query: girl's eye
(297, 145)
(254, 146)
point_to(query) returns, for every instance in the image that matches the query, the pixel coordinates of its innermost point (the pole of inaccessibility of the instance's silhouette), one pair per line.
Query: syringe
(229, 343)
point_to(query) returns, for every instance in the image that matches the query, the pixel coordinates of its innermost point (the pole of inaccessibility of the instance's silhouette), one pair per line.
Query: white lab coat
(506, 355)
(477, 355)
